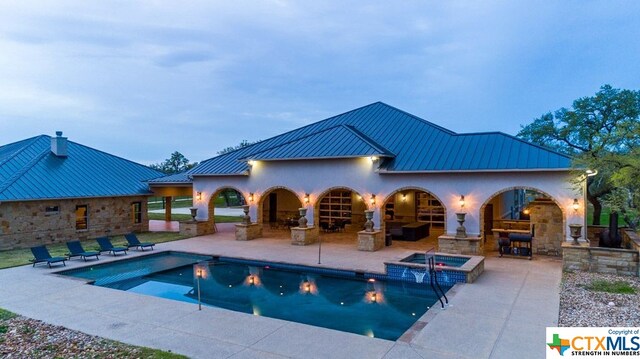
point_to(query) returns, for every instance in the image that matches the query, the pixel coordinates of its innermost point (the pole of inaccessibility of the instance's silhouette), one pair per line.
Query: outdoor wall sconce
(373, 200)
(461, 201)
(250, 196)
(404, 197)
(198, 196)
(306, 198)
(373, 158)
(576, 205)
(251, 162)
(526, 211)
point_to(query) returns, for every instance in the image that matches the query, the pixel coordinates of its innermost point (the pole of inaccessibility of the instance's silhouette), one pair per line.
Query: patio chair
(41, 255)
(106, 246)
(76, 250)
(133, 241)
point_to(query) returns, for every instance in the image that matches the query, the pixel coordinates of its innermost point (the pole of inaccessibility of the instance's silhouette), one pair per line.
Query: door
(488, 221)
(273, 207)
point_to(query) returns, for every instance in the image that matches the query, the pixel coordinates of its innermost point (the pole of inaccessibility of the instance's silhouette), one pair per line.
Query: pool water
(449, 261)
(326, 298)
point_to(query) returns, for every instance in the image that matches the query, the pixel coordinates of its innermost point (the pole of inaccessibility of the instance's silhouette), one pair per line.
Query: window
(49, 210)
(82, 217)
(136, 212)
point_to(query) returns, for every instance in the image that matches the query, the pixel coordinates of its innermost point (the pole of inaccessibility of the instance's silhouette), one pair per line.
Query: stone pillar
(195, 228)
(549, 231)
(167, 208)
(370, 241)
(247, 232)
(304, 236)
(455, 245)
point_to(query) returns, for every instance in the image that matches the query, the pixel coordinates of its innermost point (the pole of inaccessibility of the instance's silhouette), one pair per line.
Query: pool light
(307, 286)
(252, 280)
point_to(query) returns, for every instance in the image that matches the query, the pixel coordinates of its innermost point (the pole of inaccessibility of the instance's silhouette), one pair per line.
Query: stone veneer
(25, 224)
(599, 260)
(247, 232)
(370, 241)
(455, 245)
(549, 235)
(196, 228)
(304, 236)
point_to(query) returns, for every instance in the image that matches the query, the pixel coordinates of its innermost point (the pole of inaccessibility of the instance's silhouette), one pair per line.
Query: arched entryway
(339, 210)
(225, 204)
(413, 214)
(278, 208)
(519, 210)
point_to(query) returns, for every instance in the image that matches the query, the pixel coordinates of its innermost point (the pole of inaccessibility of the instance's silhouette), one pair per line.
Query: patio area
(503, 314)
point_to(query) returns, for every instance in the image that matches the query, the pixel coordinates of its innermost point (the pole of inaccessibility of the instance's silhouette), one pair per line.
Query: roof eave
(314, 158)
(383, 171)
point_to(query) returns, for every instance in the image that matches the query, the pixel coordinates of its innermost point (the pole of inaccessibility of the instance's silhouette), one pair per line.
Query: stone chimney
(59, 145)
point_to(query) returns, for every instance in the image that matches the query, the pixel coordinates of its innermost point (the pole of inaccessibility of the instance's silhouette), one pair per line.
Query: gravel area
(22, 337)
(581, 307)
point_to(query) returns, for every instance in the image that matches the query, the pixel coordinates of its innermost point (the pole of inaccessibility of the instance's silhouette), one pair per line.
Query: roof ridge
(368, 140)
(517, 139)
(118, 157)
(293, 140)
(9, 181)
(294, 130)
(33, 140)
(448, 131)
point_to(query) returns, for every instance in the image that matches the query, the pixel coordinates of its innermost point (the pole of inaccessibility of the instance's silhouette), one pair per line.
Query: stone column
(246, 230)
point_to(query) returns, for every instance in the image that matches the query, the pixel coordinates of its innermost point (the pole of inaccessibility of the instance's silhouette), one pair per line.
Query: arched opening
(523, 210)
(225, 206)
(340, 210)
(413, 214)
(278, 210)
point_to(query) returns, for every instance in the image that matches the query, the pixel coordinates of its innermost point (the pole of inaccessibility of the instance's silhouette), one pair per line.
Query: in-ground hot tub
(450, 268)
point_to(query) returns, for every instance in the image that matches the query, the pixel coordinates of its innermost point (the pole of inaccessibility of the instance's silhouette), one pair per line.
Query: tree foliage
(600, 132)
(175, 164)
(242, 144)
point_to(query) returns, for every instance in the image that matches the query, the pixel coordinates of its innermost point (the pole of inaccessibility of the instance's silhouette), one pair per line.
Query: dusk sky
(143, 79)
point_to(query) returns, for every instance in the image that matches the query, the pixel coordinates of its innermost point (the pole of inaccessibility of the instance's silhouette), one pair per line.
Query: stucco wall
(25, 224)
(315, 176)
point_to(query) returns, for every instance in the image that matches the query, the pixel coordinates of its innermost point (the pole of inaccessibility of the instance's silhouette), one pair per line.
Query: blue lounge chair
(135, 242)
(106, 246)
(76, 250)
(41, 255)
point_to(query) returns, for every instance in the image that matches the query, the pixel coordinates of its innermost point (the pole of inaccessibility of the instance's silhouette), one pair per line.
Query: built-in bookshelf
(429, 209)
(336, 206)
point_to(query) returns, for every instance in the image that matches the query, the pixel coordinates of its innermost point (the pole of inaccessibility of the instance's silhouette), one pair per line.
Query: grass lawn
(186, 217)
(604, 217)
(17, 257)
(177, 202)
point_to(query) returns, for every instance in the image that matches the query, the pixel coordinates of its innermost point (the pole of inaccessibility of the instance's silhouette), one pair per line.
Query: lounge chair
(134, 242)
(76, 250)
(106, 246)
(41, 255)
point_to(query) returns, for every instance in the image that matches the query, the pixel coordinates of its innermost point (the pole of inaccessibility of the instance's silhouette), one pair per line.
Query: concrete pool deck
(502, 315)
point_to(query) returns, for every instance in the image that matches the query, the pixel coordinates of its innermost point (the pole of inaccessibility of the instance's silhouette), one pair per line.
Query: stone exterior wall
(547, 218)
(599, 260)
(25, 224)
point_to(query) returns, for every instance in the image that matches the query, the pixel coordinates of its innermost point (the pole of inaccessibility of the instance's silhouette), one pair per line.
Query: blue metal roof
(340, 141)
(30, 171)
(418, 146)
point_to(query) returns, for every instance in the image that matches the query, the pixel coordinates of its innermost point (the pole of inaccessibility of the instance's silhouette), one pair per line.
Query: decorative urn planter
(576, 232)
(246, 219)
(302, 222)
(461, 232)
(194, 213)
(368, 225)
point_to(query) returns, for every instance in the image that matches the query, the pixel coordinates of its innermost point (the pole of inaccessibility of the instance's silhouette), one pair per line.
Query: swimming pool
(342, 300)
